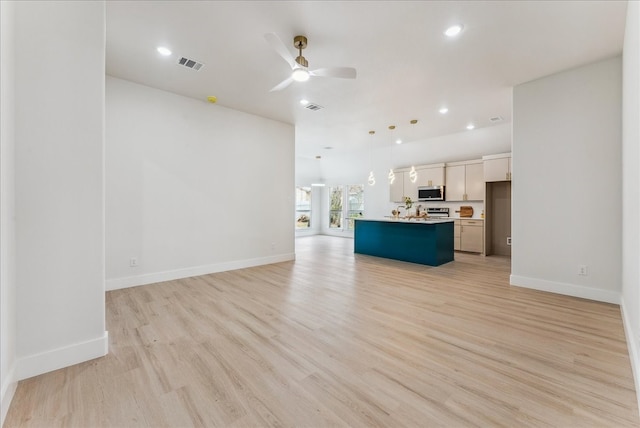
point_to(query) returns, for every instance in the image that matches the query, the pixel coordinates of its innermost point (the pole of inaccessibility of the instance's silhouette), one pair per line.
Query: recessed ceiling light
(398, 141)
(304, 102)
(163, 51)
(443, 110)
(470, 126)
(453, 31)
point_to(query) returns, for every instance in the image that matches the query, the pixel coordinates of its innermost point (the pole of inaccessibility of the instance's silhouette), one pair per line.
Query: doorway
(498, 218)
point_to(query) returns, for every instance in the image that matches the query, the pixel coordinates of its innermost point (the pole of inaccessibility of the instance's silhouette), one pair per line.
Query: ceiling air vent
(496, 119)
(313, 107)
(190, 63)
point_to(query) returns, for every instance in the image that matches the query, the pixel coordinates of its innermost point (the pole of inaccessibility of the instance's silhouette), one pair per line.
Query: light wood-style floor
(337, 339)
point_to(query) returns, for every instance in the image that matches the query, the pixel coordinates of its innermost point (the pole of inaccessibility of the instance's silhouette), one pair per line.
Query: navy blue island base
(416, 241)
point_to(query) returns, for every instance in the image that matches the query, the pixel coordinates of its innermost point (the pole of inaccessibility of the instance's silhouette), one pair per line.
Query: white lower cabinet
(456, 235)
(468, 235)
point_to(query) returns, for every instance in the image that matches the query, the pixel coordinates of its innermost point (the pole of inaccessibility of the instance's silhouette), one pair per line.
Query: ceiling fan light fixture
(300, 75)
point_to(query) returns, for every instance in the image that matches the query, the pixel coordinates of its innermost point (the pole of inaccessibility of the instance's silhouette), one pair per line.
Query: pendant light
(413, 174)
(391, 175)
(371, 180)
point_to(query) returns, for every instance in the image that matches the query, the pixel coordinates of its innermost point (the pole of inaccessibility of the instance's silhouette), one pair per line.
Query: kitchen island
(428, 242)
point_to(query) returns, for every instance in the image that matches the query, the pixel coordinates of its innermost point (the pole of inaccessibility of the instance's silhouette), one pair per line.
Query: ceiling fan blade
(340, 72)
(280, 48)
(280, 86)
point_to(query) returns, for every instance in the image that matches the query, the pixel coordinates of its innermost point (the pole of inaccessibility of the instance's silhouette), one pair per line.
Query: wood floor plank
(339, 339)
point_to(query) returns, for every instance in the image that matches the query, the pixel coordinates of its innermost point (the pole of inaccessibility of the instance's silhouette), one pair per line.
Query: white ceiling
(407, 69)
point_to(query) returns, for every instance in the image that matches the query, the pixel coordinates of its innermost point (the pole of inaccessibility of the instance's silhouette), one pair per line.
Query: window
(303, 207)
(345, 202)
(355, 201)
(335, 207)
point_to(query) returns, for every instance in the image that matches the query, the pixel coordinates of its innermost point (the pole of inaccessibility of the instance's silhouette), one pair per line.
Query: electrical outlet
(273, 245)
(133, 262)
(582, 270)
(509, 240)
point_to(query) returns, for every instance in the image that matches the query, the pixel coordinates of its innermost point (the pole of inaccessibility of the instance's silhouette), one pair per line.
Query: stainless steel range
(438, 212)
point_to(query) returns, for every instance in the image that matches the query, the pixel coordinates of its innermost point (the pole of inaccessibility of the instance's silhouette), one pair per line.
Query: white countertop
(430, 220)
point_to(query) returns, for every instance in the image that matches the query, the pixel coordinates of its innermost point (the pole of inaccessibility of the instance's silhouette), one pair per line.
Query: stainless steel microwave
(431, 193)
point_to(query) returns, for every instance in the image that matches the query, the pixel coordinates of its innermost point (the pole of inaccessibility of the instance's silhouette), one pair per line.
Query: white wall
(307, 171)
(567, 182)
(8, 290)
(193, 187)
(59, 164)
(631, 186)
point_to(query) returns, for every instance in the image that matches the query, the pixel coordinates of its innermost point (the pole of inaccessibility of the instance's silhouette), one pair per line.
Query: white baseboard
(9, 385)
(567, 289)
(339, 233)
(633, 347)
(151, 278)
(306, 232)
(44, 362)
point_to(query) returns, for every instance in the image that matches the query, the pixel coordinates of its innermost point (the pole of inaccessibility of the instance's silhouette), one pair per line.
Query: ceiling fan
(299, 65)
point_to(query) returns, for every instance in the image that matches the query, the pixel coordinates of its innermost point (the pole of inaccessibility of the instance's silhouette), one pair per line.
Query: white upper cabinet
(455, 187)
(474, 181)
(410, 189)
(431, 175)
(426, 175)
(465, 181)
(396, 189)
(497, 167)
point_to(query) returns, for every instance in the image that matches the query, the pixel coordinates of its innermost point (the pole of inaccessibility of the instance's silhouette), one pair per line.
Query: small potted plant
(408, 203)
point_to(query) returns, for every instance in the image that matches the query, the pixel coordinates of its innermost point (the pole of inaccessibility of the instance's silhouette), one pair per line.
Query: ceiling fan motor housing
(300, 42)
